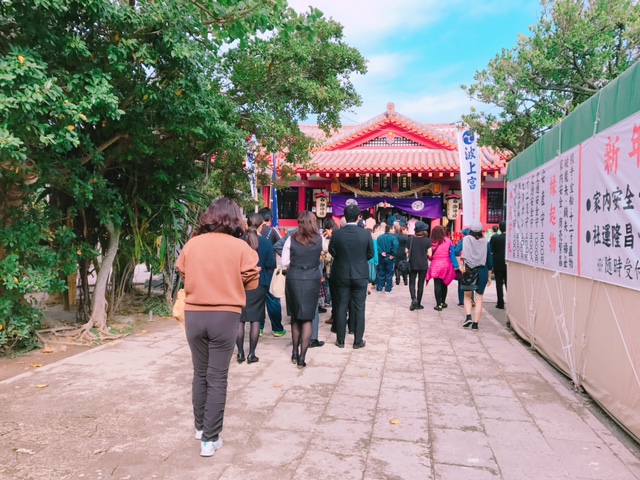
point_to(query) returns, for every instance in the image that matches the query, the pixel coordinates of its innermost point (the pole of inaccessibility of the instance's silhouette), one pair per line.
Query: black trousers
(352, 296)
(501, 281)
(421, 275)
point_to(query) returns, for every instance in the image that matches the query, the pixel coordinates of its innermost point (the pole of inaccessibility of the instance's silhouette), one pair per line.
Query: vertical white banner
(470, 175)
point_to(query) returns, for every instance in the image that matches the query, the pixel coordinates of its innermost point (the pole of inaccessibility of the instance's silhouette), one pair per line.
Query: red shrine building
(393, 157)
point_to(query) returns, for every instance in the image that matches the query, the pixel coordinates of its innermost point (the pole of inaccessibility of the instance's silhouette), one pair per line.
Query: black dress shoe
(419, 307)
(294, 359)
(412, 307)
(301, 364)
(339, 345)
(241, 358)
(359, 345)
(316, 343)
(501, 307)
(322, 310)
(252, 359)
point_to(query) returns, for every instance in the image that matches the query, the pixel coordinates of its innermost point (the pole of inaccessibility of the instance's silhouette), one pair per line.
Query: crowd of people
(227, 268)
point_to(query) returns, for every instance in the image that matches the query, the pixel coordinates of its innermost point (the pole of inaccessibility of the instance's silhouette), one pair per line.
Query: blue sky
(419, 52)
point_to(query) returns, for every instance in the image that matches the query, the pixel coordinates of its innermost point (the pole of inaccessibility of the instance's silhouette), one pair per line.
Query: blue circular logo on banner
(468, 137)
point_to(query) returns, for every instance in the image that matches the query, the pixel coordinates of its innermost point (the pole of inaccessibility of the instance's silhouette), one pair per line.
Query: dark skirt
(302, 298)
(254, 311)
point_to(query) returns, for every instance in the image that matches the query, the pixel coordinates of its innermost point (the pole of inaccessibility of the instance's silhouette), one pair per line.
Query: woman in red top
(442, 268)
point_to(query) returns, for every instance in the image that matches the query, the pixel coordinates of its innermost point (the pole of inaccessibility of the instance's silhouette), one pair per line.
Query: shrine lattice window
(495, 205)
(397, 142)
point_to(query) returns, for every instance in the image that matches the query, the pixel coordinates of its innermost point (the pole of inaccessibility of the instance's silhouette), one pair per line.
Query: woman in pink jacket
(442, 267)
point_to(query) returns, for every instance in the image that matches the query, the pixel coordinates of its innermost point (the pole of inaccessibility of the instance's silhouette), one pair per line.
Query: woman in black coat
(419, 248)
(301, 256)
(253, 312)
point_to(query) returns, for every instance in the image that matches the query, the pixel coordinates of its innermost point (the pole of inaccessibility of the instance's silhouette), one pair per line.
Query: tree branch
(103, 147)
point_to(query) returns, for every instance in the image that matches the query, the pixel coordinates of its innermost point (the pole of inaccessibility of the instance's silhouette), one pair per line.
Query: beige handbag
(178, 307)
(278, 281)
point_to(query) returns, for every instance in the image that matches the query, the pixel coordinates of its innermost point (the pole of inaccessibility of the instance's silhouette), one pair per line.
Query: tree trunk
(99, 298)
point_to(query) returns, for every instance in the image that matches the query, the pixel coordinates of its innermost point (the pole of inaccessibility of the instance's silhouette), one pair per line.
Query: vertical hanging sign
(251, 167)
(274, 194)
(469, 175)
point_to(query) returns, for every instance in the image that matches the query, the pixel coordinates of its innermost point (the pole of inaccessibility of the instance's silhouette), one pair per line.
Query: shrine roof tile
(395, 161)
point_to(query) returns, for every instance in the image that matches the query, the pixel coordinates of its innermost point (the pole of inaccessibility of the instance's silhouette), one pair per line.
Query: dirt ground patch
(139, 323)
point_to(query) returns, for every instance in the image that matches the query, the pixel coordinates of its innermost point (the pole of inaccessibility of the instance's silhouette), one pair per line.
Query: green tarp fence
(619, 99)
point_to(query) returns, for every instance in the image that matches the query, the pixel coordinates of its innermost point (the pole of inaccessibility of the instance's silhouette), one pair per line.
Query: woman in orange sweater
(217, 267)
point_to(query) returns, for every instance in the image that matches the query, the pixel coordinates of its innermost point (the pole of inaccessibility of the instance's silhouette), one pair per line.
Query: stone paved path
(426, 399)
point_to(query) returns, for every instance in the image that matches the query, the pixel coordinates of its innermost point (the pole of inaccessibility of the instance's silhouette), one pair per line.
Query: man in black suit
(498, 246)
(351, 248)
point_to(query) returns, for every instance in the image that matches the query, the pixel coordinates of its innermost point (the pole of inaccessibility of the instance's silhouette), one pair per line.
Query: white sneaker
(198, 435)
(207, 449)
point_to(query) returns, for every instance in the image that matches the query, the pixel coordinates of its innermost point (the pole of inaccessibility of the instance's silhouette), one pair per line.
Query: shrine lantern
(453, 206)
(322, 201)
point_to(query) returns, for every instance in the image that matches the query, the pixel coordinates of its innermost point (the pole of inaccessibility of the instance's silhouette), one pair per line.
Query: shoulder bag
(178, 307)
(469, 280)
(404, 266)
(278, 282)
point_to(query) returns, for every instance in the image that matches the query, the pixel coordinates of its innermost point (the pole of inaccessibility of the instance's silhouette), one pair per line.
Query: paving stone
(425, 399)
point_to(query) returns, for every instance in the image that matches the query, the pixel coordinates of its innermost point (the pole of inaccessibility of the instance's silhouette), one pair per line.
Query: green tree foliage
(115, 110)
(576, 48)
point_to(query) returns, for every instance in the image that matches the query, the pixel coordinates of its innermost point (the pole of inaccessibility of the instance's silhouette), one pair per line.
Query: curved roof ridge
(392, 116)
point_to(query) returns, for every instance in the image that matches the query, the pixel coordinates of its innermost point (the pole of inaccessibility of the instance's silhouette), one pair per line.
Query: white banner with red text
(580, 212)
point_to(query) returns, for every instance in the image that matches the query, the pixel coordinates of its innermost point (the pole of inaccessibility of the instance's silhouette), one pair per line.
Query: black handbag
(469, 280)
(403, 266)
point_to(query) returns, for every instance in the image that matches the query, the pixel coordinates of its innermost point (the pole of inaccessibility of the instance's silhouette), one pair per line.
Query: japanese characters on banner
(470, 178)
(580, 212)
(542, 214)
(610, 206)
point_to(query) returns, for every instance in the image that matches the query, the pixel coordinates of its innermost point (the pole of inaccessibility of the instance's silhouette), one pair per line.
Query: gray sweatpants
(212, 338)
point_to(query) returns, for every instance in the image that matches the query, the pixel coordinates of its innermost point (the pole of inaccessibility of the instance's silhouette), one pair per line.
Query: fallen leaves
(42, 385)
(395, 421)
(36, 365)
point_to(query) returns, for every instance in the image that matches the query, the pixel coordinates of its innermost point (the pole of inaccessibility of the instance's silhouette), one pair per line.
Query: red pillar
(302, 199)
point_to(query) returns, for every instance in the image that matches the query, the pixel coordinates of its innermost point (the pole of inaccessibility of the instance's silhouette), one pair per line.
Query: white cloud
(446, 106)
(387, 66)
(370, 22)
